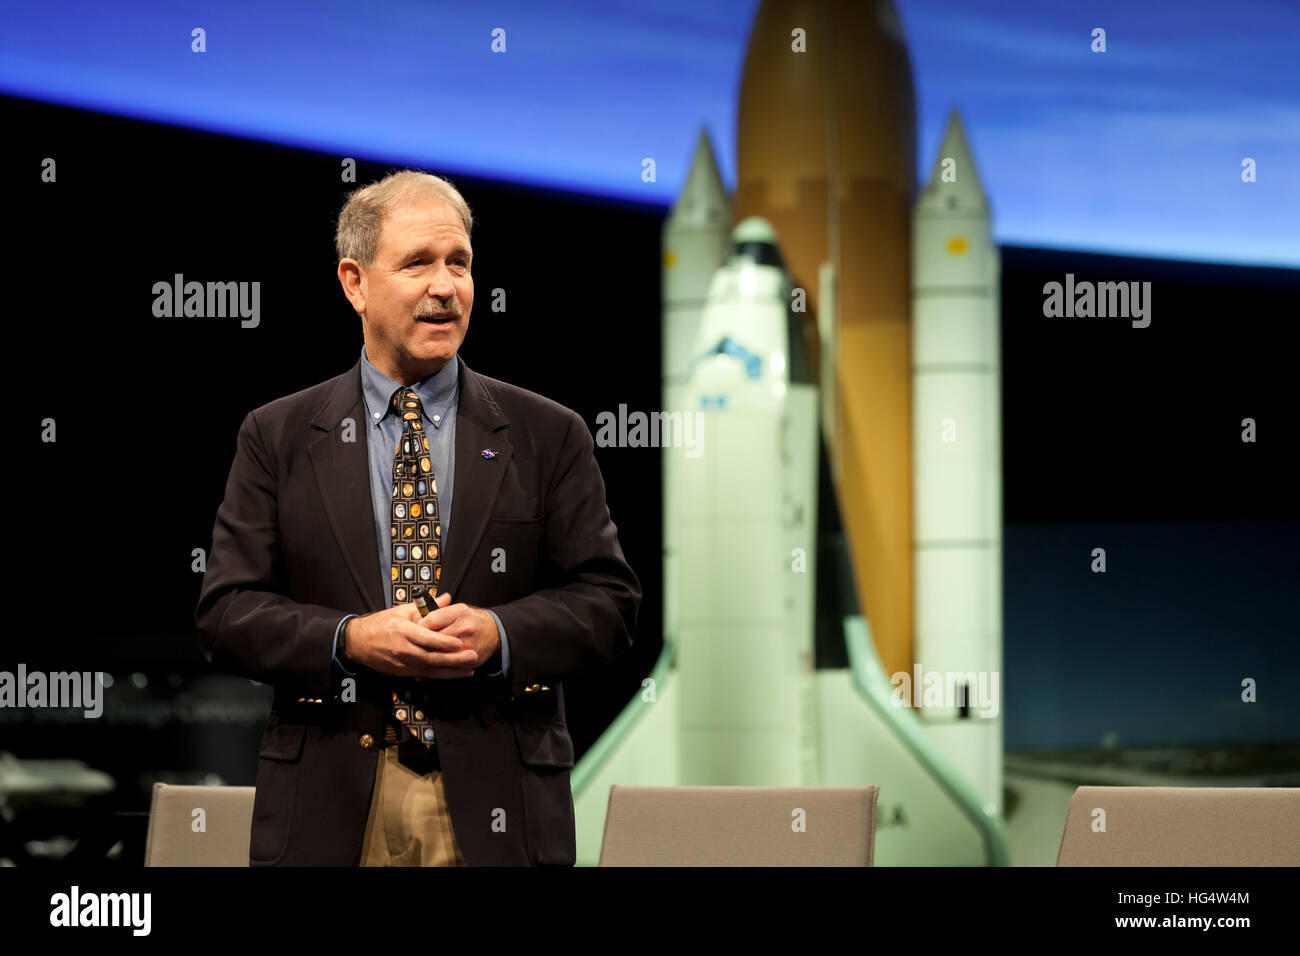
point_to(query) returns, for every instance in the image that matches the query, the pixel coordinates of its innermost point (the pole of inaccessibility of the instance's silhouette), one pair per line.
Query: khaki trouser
(408, 823)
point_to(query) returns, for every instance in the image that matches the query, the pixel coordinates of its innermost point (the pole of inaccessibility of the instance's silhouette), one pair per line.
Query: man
(397, 738)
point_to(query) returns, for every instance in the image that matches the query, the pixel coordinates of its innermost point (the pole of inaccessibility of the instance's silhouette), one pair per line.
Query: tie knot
(406, 402)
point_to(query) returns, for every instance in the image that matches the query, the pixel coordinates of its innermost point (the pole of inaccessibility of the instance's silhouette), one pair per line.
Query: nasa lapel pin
(489, 453)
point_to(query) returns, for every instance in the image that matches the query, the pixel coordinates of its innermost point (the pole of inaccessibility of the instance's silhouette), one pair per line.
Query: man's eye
(420, 262)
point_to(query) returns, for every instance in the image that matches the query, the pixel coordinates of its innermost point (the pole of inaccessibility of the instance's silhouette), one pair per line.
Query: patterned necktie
(416, 534)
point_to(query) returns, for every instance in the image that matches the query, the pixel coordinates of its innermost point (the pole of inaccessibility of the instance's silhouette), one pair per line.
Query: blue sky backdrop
(1155, 650)
(1136, 151)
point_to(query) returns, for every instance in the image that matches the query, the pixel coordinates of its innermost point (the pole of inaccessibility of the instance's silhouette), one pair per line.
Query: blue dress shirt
(439, 394)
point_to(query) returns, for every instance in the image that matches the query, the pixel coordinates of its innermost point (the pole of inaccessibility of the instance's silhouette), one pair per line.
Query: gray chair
(1182, 826)
(739, 826)
(227, 823)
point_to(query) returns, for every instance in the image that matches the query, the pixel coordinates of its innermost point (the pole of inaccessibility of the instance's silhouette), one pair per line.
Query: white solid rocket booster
(695, 239)
(957, 461)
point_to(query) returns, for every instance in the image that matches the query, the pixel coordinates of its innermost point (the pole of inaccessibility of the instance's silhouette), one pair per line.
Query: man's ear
(352, 279)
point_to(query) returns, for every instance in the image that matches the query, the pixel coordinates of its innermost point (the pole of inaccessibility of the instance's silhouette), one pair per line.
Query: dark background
(1115, 437)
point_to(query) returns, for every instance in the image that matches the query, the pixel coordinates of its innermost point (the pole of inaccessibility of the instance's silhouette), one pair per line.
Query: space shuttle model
(743, 548)
(827, 319)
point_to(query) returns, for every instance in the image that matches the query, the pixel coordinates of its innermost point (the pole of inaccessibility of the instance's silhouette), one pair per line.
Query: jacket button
(367, 741)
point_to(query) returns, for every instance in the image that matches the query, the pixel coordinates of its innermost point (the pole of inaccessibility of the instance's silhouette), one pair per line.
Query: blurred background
(736, 210)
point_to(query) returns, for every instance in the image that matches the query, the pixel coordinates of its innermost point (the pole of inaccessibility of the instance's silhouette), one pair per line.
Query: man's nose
(440, 284)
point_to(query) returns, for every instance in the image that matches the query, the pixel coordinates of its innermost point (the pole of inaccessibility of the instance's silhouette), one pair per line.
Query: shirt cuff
(505, 647)
(334, 653)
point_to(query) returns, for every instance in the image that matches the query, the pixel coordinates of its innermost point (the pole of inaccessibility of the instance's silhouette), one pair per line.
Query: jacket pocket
(546, 745)
(546, 751)
(513, 528)
(278, 765)
(282, 741)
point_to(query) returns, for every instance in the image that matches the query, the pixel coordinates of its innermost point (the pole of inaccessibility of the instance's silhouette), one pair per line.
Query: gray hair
(362, 216)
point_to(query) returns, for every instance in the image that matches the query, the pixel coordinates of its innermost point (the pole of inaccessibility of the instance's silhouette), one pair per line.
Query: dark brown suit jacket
(293, 550)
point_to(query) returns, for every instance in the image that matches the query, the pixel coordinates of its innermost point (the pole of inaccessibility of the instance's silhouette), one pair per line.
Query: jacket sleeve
(589, 616)
(246, 622)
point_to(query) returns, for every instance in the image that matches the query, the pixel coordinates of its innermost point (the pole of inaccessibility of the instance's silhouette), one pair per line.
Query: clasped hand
(450, 641)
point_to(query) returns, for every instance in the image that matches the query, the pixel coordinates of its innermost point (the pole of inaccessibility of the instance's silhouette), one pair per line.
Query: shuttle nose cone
(754, 240)
(703, 202)
(954, 184)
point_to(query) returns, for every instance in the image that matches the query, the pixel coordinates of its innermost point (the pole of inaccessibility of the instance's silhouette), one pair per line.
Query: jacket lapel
(480, 424)
(343, 474)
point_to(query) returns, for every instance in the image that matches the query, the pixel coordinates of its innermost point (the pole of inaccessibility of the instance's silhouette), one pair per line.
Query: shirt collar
(436, 391)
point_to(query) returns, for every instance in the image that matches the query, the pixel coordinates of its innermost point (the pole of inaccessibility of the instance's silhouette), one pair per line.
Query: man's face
(421, 271)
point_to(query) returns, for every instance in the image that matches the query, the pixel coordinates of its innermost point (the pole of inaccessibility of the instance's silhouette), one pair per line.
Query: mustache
(428, 310)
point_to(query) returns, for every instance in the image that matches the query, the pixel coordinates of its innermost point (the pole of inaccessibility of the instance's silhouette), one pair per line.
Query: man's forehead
(415, 224)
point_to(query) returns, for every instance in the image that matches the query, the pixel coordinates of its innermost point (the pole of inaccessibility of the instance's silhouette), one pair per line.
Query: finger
(422, 639)
(432, 664)
(445, 616)
(420, 664)
(413, 608)
(440, 602)
(466, 658)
